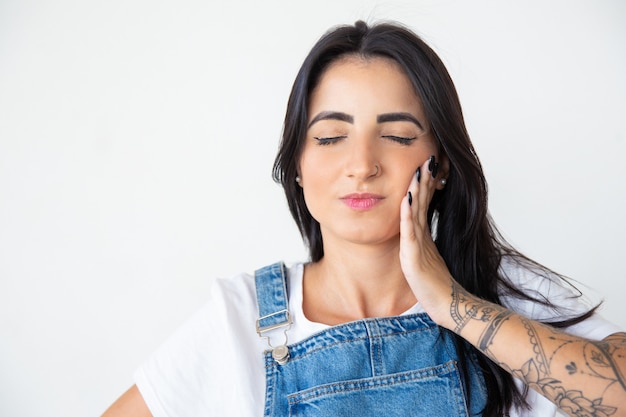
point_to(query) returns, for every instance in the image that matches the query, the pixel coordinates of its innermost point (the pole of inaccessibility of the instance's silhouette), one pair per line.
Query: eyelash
(330, 140)
(401, 139)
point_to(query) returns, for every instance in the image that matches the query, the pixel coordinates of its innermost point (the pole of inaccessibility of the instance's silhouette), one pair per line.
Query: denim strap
(271, 295)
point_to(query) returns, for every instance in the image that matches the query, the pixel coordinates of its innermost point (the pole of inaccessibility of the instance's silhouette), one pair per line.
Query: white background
(137, 139)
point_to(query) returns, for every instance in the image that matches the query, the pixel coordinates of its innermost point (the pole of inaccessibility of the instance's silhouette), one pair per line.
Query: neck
(355, 282)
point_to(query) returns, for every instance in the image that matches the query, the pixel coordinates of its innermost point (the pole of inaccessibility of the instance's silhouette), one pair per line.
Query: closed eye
(401, 139)
(328, 140)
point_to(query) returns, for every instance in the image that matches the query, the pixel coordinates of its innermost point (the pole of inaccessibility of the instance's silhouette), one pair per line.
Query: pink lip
(361, 201)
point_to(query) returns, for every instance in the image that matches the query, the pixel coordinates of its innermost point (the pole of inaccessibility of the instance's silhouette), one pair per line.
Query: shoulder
(231, 309)
(234, 291)
(239, 291)
(214, 358)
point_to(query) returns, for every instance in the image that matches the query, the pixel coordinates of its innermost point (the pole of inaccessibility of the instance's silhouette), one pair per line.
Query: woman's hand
(424, 268)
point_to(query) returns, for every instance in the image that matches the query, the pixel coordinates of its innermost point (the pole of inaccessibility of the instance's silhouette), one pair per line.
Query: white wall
(136, 143)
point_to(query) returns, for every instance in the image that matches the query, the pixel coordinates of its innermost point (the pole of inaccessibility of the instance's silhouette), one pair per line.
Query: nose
(362, 159)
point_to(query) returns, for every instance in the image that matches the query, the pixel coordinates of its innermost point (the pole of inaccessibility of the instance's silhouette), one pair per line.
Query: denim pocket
(434, 391)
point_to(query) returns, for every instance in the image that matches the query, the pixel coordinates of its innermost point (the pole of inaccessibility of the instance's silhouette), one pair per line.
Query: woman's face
(367, 134)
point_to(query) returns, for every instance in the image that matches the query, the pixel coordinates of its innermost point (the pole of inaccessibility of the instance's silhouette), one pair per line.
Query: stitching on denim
(270, 387)
(300, 345)
(377, 351)
(369, 347)
(423, 317)
(448, 370)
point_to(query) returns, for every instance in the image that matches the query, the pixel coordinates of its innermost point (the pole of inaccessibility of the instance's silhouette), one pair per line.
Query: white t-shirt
(213, 365)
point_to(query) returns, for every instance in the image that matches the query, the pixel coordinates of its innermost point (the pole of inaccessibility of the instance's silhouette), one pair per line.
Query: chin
(370, 237)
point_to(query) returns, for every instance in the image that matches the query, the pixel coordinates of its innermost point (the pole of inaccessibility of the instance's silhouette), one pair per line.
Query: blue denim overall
(392, 366)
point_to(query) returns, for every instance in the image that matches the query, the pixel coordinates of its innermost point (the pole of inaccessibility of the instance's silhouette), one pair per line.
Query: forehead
(377, 81)
(360, 61)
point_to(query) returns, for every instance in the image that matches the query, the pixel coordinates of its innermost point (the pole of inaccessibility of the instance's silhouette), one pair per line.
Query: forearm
(573, 372)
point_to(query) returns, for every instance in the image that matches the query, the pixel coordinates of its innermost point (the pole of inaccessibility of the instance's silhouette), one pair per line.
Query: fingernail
(435, 169)
(431, 163)
(410, 198)
(418, 173)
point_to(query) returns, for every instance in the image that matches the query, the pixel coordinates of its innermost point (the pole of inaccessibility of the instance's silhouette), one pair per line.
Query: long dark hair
(466, 237)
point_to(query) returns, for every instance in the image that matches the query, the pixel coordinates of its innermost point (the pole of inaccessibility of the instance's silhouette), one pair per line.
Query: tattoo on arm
(601, 358)
(571, 401)
(458, 299)
(599, 361)
(540, 356)
(466, 307)
(602, 355)
(489, 333)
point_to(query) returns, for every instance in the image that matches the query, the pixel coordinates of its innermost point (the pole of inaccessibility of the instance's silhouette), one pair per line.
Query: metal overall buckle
(280, 353)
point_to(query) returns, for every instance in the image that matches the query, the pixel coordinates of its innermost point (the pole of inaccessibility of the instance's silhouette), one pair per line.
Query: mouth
(361, 201)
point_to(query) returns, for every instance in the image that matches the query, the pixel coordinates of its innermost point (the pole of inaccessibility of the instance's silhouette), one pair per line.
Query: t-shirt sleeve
(174, 379)
(213, 364)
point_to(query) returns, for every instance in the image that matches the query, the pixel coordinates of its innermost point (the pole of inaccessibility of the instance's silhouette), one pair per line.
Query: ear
(444, 171)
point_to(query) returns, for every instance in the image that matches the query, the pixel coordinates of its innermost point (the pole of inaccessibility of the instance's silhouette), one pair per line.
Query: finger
(407, 226)
(410, 204)
(413, 190)
(426, 189)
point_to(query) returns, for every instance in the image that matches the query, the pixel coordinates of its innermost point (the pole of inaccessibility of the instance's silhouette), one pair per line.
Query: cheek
(404, 167)
(316, 166)
(315, 184)
(410, 161)
(311, 177)
(408, 168)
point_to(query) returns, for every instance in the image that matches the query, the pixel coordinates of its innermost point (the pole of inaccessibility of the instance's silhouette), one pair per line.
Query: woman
(412, 303)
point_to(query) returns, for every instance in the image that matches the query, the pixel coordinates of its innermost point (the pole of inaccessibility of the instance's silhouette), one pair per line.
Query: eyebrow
(332, 115)
(398, 117)
(381, 118)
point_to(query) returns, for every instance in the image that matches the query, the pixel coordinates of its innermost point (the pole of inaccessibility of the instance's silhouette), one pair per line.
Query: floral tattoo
(600, 357)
